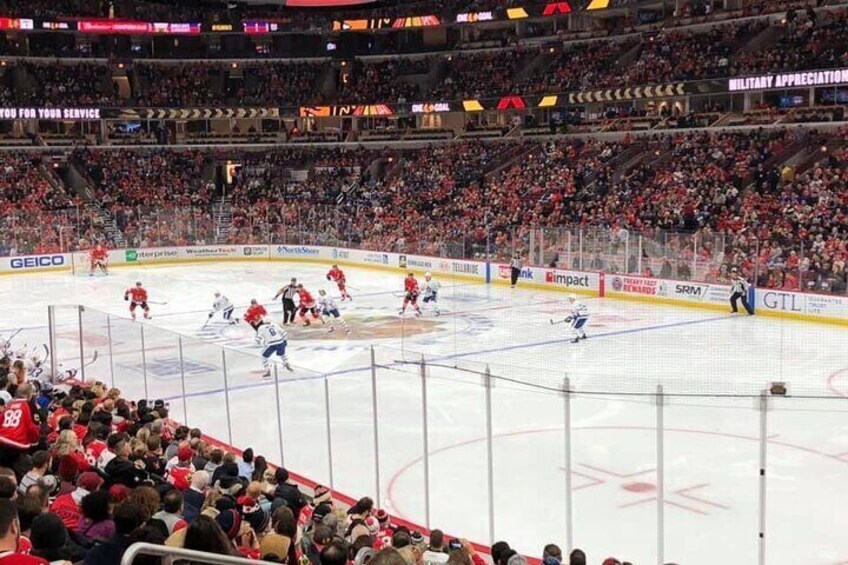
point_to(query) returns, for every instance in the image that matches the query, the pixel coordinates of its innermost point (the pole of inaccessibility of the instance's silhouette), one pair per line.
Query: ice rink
(711, 364)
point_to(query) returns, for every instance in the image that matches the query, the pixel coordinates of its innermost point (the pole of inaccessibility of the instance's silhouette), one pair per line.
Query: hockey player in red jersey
(307, 305)
(337, 276)
(255, 314)
(99, 258)
(411, 291)
(139, 298)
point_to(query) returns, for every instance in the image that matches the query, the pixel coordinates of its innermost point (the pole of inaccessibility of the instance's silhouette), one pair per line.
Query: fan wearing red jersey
(307, 305)
(20, 430)
(411, 291)
(139, 298)
(99, 258)
(337, 276)
(255, 314)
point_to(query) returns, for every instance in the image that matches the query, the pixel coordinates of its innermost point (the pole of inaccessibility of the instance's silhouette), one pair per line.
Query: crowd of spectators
(386, 81)
(178, 86)
(33, 204)
(81, 84)
(709, 184)
(732, 190)
(807, 40)
(278, 84)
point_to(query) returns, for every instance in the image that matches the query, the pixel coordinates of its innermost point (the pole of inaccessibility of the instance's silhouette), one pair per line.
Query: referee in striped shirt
(515, 267)
(288, 293)
(739, 290)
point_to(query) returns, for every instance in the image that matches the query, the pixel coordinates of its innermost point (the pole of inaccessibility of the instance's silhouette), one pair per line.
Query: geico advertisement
(35, 262)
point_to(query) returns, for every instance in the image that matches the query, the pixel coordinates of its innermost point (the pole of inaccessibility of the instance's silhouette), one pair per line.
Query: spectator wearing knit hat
(253, 514)
(67, 470)
(67, 506)
(180, 474)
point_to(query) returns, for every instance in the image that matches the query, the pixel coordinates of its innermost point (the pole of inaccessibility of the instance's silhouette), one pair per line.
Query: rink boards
(821, 308)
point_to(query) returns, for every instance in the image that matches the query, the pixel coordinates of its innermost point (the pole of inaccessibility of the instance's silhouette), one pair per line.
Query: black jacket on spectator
(108, 553)
(226, 476)
(124, 472)
(289, 495)
(192, 504)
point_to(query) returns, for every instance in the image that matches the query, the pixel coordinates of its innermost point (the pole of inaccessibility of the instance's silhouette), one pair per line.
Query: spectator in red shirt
(19, 427)
(180, 474)
(67, 506)
(67, 445)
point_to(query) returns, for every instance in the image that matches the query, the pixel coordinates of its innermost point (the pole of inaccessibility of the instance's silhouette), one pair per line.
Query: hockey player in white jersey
(273, 339)
(223, 305)
(431, 292)
(578, 317)
(329, 311)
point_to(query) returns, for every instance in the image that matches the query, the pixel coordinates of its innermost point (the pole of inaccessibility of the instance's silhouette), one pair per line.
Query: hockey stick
(71, 374)
(556, 323)
(16, 332)
(157, 303)
(93, 360)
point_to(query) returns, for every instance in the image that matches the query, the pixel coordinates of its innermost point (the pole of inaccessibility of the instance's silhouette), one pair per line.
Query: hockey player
(431, 292)
(337, 275)
(273, 340)
(331, 311)
(255, 314)
(578, 317)
(411, 291)
(99, 258)
(139, 298)
(223, 305)
(307, 305)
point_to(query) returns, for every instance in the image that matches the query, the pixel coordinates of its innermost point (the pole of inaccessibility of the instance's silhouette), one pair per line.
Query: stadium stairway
(223, 219)
(78, 183)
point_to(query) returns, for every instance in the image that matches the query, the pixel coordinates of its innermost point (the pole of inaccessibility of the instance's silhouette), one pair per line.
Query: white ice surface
(711, 448)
